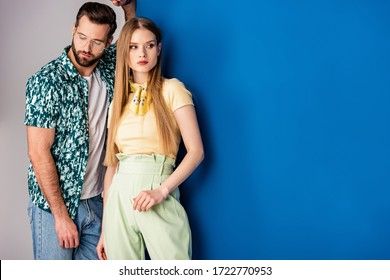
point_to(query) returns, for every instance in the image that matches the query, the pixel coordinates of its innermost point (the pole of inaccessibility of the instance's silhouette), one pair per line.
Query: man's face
(89, 41)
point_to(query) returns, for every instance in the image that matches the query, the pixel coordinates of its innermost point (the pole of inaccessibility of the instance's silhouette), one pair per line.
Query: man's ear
(109, 42)
(73, 30)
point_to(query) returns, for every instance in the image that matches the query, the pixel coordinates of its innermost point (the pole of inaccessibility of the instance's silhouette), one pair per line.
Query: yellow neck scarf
(141, 101)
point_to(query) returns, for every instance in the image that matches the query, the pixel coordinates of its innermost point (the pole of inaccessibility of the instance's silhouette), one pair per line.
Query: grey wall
(33, 33)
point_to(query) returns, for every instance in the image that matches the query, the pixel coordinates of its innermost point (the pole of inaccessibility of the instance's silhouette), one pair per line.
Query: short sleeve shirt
(57, 97)
(139, 134)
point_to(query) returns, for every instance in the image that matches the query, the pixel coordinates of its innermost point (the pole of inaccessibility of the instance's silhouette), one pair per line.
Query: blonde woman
(148, 118)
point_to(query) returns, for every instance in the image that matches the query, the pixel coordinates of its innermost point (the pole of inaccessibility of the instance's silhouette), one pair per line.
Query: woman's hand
(100, 249)
(147, 199)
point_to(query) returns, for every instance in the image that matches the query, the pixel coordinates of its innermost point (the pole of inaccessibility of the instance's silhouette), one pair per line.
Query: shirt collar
(67, 64)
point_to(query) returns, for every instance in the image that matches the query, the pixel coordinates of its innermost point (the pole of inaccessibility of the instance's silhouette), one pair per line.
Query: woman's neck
(140, 78)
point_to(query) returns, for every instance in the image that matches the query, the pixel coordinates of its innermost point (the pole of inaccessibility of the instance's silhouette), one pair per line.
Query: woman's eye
(132, 47)
(150, 46)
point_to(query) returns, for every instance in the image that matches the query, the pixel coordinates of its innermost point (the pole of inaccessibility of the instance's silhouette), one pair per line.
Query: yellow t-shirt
(138, 134)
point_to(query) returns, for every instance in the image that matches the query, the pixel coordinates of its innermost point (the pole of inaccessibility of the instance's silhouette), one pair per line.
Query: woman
(148, 117)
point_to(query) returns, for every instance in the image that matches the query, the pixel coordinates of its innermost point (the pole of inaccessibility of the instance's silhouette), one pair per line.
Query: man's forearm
(130, 9)
(46, 174)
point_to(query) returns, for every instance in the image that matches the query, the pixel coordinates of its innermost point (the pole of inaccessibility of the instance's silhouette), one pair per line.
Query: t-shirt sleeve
(41, 108)
(176, 94)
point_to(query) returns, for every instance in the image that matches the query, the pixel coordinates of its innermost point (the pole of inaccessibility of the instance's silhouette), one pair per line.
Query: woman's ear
(159, 48)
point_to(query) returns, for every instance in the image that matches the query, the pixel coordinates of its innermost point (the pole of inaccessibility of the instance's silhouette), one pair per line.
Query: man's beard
(83, 61)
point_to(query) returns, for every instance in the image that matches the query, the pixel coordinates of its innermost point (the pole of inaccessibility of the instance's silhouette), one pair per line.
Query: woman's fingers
(146, 200)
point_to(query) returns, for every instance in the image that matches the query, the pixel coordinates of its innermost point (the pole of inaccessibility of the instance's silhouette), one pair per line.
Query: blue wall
(293, 101)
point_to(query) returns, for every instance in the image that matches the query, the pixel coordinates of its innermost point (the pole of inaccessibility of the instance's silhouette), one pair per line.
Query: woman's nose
(142, 53)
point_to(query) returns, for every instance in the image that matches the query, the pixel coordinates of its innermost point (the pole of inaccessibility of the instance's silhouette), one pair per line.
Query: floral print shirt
(57, 97)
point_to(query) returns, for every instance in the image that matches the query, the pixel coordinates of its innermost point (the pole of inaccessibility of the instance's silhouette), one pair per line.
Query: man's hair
(98, 13)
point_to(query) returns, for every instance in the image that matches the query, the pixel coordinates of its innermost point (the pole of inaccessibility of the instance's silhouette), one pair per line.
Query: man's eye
(82, 37)
(97, 43)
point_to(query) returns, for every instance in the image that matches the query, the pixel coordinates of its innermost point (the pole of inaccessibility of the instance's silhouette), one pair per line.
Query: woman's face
(143, 54)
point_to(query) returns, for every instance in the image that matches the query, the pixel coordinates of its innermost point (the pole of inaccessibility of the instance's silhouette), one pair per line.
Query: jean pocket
(30, 212)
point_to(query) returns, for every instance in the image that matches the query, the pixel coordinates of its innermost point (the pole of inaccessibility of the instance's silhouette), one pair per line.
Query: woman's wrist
(165, 191)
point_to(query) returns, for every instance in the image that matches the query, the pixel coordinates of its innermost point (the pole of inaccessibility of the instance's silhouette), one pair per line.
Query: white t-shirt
(97, 110)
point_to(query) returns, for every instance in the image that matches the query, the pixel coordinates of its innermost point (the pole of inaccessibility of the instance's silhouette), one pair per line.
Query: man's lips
(86, 55)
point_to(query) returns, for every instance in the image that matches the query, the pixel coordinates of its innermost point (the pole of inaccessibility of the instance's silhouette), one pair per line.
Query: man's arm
(129, 7)
(39, 142)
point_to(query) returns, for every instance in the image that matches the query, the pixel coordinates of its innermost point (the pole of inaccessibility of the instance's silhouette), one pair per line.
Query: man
(66, 111)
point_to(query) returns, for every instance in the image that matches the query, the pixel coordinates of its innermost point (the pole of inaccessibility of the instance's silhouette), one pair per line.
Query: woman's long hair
(164, 117)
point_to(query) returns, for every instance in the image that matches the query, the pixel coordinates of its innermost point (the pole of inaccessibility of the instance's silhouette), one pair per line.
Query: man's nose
(88, 46)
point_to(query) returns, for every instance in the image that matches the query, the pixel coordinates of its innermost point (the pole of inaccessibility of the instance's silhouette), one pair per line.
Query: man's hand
(67, 233)
(121, 2)
(129, 7)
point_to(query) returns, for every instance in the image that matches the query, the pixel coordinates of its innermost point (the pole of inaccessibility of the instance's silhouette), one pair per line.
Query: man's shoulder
(109, 58)
(52, 70)
(110, 51)
(50, 77)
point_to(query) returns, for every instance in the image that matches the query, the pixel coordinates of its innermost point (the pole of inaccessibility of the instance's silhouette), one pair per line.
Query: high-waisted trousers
(164, 229)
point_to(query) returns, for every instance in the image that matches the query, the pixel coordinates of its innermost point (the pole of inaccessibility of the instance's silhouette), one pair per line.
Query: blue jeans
(89, 225)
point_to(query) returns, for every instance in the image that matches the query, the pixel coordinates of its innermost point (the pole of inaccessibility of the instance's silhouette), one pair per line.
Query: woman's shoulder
(174, 86)
(172, 83)
(176, 93)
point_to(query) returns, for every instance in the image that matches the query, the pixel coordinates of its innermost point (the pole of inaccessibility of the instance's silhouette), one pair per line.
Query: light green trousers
(164, 229)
